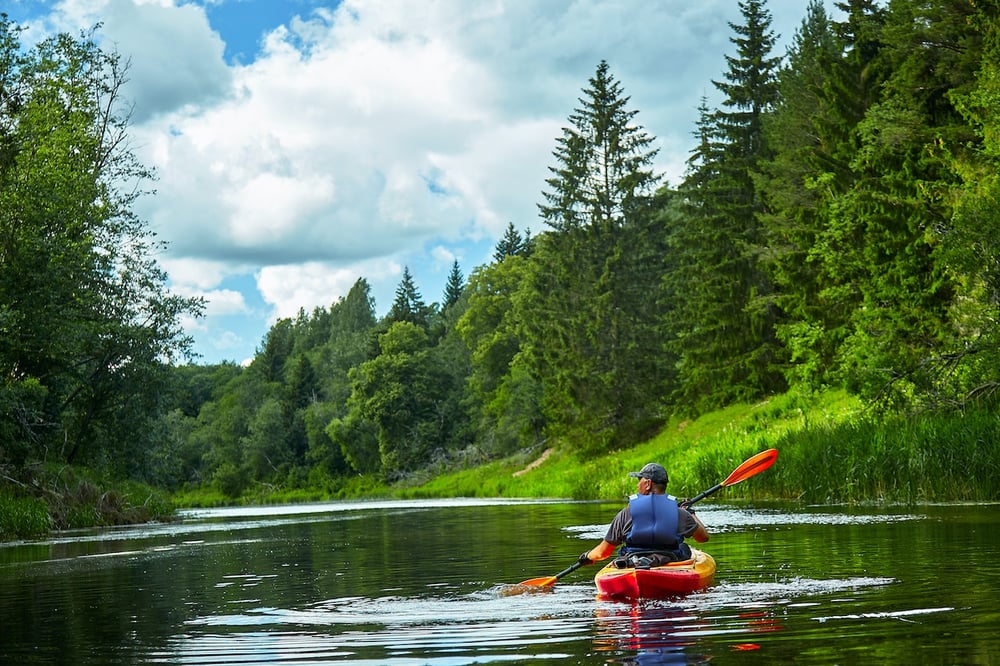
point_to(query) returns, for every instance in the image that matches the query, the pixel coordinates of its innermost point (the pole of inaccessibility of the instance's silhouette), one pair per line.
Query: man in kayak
(651, 529)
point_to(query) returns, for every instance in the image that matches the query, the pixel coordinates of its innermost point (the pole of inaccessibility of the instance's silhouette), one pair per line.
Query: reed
(22, 517)
(830, 451)
(925, 458)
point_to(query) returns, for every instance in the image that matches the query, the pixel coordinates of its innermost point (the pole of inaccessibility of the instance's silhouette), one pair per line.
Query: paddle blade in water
(547, 581)
(520, 588)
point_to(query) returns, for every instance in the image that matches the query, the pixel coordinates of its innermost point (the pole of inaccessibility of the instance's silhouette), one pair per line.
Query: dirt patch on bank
(535, 463)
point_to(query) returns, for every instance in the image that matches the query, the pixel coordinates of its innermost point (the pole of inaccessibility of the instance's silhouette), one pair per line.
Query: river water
(432, 582)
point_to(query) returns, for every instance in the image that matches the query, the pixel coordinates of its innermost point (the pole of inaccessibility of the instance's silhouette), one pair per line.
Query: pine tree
(409, 304)
(604, 161)
(454, 287)
(899, 202)
(511, 245)
(724, 335)
(973, 242)
(792, 183)
(585, 306)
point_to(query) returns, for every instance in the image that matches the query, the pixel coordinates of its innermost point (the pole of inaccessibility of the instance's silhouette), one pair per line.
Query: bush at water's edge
(41, 498)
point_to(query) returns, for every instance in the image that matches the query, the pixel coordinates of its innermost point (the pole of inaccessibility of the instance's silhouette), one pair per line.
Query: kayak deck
(657, 582)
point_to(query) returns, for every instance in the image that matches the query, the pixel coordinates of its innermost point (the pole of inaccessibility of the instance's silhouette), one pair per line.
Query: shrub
(22, 517)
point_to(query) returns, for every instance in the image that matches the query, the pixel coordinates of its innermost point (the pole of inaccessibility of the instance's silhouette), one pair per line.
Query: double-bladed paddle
(749, 467)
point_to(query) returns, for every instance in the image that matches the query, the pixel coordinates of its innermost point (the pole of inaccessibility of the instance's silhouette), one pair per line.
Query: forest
(837, 228)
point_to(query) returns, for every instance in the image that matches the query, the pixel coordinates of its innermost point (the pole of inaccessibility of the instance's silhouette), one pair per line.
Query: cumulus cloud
(315, 284)
(378, 133)
(175, 58)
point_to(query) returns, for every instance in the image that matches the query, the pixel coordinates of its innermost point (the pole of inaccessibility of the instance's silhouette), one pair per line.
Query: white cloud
(175, 58)
(384, 133)
(316, 284)
(220, 302)
(190, 275)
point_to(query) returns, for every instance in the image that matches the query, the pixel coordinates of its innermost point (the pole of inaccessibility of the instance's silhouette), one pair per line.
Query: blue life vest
(654, 524)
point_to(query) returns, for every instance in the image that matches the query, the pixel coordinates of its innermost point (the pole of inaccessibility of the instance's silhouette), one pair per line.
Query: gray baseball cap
(653, 472)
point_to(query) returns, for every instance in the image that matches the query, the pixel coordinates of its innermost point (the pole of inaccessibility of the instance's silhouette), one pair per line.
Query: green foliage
(400, 391)
(512, 244)
(501, 395)
(22, 517)
(897, 460)
(454, 288)
(837, 229)
(829, 450)
(409, 305)
(812, 329)
(723, 328)
(586, 319)
(63, 497)
(357, 439)
(86, 322)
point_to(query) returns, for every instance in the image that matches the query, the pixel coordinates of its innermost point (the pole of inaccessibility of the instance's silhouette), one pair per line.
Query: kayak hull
(670, 580)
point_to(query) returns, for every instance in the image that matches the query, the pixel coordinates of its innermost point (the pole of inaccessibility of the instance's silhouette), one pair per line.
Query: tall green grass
(59, 497)
(920, 459)
(829, 451)
(22, 517)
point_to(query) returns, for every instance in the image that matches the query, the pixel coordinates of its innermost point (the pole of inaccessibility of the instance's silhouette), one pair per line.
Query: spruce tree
(586, 306)
(511, 245)
(409, 304)
(454, 287)
(724, 332)
(899, 203)
(793, 184)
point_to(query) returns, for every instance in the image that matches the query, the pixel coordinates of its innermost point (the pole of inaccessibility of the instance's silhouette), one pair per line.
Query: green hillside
(830, 450)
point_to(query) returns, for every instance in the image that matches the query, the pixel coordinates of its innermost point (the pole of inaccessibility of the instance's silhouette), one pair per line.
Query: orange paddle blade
(547, 581)
(751, 466)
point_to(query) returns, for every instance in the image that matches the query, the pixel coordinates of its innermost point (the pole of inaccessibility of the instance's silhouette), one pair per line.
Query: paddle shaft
(702, 495)
(568, 570)
(549, 581)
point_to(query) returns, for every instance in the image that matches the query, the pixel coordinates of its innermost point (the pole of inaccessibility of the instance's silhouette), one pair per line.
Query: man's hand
(584, 559)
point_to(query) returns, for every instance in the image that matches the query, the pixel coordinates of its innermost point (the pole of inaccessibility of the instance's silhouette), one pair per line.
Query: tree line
(836, 227)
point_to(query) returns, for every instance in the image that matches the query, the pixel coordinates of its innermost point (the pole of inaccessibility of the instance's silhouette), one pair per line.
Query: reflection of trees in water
(657, 632)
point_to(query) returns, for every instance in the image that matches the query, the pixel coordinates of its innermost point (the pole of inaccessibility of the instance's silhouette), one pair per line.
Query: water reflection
(479, 627)
(402, 583)
(649, 633)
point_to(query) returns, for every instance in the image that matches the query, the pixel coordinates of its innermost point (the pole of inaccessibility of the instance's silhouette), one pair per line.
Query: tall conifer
(587, 305)
(724, 333)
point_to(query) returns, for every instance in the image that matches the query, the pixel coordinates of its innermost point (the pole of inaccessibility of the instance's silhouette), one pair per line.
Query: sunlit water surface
(434, 582)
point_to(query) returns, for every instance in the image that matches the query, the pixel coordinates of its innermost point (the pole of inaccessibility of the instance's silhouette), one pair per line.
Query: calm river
(428, 582)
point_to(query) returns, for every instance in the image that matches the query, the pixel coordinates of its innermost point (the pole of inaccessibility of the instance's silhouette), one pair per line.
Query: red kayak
(660, 582)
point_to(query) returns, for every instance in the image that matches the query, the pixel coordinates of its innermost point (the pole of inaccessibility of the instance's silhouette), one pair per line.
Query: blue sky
(302, 144)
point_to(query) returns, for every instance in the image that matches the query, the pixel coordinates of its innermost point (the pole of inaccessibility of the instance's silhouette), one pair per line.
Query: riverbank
(39, 499)
(831, 450)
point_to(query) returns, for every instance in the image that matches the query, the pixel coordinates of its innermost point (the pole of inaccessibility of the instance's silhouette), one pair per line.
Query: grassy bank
(830, 451)
(41, 498)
